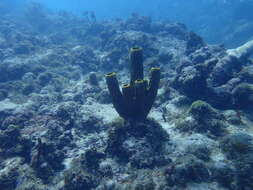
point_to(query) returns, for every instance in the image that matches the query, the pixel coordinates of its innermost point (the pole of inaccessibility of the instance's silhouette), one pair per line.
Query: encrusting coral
(242, 52)
(136, 98)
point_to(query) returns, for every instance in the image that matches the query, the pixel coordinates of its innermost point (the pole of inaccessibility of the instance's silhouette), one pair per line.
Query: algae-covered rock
(3, 94)
(243, 95)
(239, 148)
(186, 170)
(194, 42)
(141, 144)
(246, 74)
(28, 89)
(9, 173)
(10, 71)
(78, 181)
(28, 181)
(80, 174)
(44, 78)
(116, 136)
(201, 151)
(233, 117)
(23, 48)
(237, 145)
(203, 118)
(103, 97)
(91, 159)
(244, 172)
(93, 78)
(224, 70)
(201, 111)
(190, 81)
(224, 173)
(145, 184)
(13, 143)
(46, 159)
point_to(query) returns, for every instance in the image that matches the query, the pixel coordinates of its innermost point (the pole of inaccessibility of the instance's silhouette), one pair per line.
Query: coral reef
(59, 125)
(202, 118)
(242, 52)
(239, 148)
(136, 143)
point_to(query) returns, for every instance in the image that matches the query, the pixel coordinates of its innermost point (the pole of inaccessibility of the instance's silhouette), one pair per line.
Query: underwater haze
(226, 22)
(126, 95)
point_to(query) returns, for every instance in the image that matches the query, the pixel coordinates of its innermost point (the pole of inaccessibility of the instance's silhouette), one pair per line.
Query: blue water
(176, 9)
(214, 20)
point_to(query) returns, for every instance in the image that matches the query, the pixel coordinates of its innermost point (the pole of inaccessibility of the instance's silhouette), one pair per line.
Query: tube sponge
(136, 64)
(135, 100)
